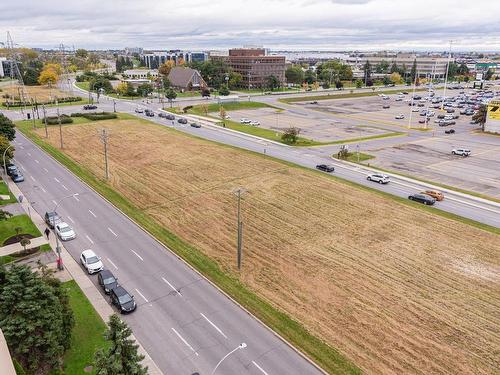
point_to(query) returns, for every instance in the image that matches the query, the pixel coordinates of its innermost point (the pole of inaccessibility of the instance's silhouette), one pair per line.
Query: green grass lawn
(7, 227)
(368, 138)
(4, 190)
(83, 85)
(353, 157)
(76, 120)
(87, 335)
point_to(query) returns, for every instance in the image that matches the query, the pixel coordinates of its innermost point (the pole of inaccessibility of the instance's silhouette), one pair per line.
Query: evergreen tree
(122, 357)
(394, 68)
(367, 71)
(7, 127)
(413, 71)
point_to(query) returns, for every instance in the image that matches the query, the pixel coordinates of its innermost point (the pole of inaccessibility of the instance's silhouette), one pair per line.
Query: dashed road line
(53, 201)
(213, 325)
(28, 154)
(111, 230)
(145, 299)
(93, 214)
(64, 187)
(41, 187)
(260, 368)
(36, 161)
(90, 239)
(76, 198)
(46, 170)
(114, 265)
(55, 178)
(33, 178)
(137, 255)
(70, 219)
(184, 341)
(171, 286)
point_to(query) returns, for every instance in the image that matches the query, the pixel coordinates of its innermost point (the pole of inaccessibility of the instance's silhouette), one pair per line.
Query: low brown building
(186, 78)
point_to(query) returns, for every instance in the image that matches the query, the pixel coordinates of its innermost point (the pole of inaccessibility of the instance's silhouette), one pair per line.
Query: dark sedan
(325, 168)
(17, 177)
(422, 198)
(195, 125)
(182, 121)
(122, 300)
(107, 281)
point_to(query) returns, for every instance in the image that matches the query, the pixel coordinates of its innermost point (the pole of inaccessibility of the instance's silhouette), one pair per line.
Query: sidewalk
(74, 271)
(17, 247)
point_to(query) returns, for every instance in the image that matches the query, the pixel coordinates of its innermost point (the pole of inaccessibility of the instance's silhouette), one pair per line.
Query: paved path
(17, 247)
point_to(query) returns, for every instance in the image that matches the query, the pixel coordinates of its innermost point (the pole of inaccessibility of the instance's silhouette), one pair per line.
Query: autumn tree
(290, 135)
(395, 78)
(480, 116)
(47, 77)
(204, 109)
(166, 67)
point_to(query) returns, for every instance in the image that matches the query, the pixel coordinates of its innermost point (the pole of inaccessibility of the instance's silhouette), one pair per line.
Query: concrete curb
(76, 272)
(303, 355)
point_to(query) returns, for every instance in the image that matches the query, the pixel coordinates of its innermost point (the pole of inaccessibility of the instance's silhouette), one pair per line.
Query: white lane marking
(23, 168)
(36, 161)
(213, 325)
(22, 147)
(53, 201)
(260, 368)
(64, 187)
(137, 255)
(114, 265)
(90, 239)
(74, 196)
(145, 299)
(46, 170)
(33, 178)
(111, 230)
(184, 341)
(70, 219)
(93, 214)
(57, 180)
(29, 154)
(41, 187)
(171, 286)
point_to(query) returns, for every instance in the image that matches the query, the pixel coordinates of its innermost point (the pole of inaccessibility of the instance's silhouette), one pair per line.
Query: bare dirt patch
(374, 278)
(39, 93)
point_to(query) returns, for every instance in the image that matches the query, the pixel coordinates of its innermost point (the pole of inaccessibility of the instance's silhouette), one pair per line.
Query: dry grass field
(396, 289)
(40, 93)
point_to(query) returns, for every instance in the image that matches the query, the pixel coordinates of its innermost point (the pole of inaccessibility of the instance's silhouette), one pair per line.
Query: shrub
(67, 99)
(54, 120)
(187, 108)
(96, 116)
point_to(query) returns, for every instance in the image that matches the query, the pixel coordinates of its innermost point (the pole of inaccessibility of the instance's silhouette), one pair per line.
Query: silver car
(380, 178)
(65, 232)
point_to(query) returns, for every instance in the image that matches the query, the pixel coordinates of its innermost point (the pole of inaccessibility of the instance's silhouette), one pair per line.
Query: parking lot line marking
(171, 286)
(74, 196)
(114, 265)
(145, 299)
(111, 230)
(260, 368)
(137, 255)
(184, 341)
(93, 214)
(46, 170)
(64, 187)
(36, 161)
(90, 239)
(70, 219)
(55, 178)
(213, 325)
(33, 178)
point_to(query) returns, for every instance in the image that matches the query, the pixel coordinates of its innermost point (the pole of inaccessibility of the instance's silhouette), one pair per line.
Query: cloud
(291, 24)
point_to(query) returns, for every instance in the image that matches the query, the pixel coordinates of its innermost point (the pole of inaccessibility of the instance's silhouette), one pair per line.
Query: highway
(184, 322)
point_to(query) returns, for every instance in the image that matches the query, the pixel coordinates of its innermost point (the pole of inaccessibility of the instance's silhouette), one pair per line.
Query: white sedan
(65, 232)
(91, 261)
(377, 177)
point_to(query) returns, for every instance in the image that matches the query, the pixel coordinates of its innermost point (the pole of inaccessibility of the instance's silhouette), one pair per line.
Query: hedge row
(54, 120)
(67, 99)
(96, 116)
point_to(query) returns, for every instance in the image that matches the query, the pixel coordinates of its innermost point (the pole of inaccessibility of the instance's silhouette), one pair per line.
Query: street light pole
(241, 346)
(446, 77)
(238, 192)
(58, 249)
(45, 121)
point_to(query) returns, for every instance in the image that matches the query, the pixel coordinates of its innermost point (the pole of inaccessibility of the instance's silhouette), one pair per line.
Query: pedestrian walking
(47, 232)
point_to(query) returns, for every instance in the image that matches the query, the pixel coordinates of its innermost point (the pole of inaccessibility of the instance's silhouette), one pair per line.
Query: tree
(395, 78)
(367, 72)
(223, 90)
(310, 76)
(7, 127)
(48, 77)
(99, 82)
(382, 67)
(463, 69)
(272, 82)
(82, 53)
(122, 88)
(294, 74)
(452, 70)
(358, 83)
(4, 145)
(489, 74)
(35, 318)
(234, 80)
(290, 135)
(171, 95)
(480, 115)
(25, 242)
(166, 67)
(4, 215)
(165, 83)
(386, 81)
(122, 356)
(204, 109)
(144, 89)
(394, 68)
(333, 71)
(413, 71)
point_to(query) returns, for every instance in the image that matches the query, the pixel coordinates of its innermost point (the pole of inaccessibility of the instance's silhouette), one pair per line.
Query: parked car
(182, 121)
(325, 168)
(107, 281)
(162, 115)
(89, 106)
(17, 177)
(122, 300)
(313, 102)
(254, 123)
(377, 177)
(170, 117)
(11, 169)
(461, 151)
(139, 110)
(421, 121)
(244, 121)
(52, 218)
(386, 106)
(149, 113)
(65, 232)
(449, 131)
(195, 125)
(422, 198)
(437, 195)
(91, 262)
(450, 110)
(400, 116)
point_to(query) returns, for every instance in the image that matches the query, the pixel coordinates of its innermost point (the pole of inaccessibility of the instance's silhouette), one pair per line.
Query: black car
(325, 168)
(122, 300)
(195, 125)
(52, 218)
(170, 117)
(17, 177)
(89, 106)
(422, 198)
(182, 121)
(149, 113)
(449, 131)
(12, 170)
(166, 116)
(450, 110)
(107, 281)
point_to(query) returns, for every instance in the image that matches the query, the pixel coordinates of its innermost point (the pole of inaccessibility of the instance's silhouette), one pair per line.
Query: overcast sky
(277, 24)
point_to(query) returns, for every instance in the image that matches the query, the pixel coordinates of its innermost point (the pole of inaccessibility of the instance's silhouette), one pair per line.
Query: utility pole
(60, 128)
(104, 135)
(446, 77)
(45, 121)
(238, 192)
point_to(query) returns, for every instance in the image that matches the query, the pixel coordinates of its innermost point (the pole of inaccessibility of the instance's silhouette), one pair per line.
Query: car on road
(149, 113)
(52, 218)
(11, 169)
(461, 151)
(449, 131)
(167, 116)
(91, 262)
(139, 110)
(313, 102)
(386, 106)
(254, 123)
(437, 195)
(421, 121)
(107, 281)
(245, 121)
(422, 198)
(400, 116)
(182, 121)
(122, 300)
(64, 231)
(89, 106)
(380, 178)
(195, 125)
(17, 177)
(325, 168)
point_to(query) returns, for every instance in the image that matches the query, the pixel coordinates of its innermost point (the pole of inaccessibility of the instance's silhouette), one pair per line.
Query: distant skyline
(329, 25)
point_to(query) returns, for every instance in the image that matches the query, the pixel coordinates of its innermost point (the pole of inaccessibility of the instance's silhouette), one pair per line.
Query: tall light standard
(4, 164)
(446, 77)
(58, 249)
(241, 346)
(238, 192)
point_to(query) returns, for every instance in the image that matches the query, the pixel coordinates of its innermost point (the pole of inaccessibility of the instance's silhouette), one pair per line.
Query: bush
(187, 108)
(96, 116)
(54, 120)
(18, 103)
